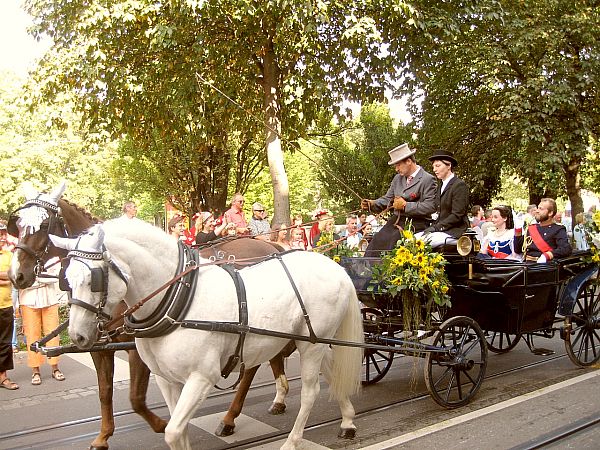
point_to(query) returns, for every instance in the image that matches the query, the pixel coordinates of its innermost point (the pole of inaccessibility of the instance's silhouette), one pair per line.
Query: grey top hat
(400, 153)
(443, 155)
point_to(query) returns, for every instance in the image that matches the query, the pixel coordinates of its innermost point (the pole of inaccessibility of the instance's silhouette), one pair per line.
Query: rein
(129, 311)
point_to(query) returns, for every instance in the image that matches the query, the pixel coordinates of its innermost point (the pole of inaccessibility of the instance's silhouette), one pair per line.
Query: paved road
(511, 411)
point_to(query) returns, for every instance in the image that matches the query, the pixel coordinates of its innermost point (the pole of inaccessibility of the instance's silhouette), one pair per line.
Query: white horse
(187, 363)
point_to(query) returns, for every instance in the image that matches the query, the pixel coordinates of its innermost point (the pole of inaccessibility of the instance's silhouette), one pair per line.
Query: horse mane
(81, 210)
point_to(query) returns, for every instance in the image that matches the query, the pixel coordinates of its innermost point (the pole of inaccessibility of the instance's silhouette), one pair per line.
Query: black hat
(443, 155)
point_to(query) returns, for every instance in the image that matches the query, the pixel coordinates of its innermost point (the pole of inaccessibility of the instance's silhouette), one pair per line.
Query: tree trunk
(572, 178)
(281, 193)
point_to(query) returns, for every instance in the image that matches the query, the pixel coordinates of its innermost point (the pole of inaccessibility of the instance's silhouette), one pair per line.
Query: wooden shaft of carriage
(236, 328)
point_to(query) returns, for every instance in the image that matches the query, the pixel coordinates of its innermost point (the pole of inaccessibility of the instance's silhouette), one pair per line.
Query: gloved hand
(365, 204)
(399, 203)
(542, 259)
(429, 230)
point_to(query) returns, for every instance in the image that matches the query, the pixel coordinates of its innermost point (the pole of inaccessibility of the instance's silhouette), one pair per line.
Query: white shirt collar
(446, 181)
(414, 174)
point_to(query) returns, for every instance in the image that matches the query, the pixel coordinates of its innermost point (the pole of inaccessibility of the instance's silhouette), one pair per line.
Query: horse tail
(346, 366)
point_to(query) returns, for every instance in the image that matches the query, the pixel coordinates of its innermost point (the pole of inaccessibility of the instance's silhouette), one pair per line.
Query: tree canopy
(513, 87)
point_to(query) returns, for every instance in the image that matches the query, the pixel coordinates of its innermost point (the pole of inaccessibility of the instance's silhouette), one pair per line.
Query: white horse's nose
(81, 341)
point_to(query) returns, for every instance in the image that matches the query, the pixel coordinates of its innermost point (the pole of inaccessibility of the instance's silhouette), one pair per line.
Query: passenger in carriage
(412, 196)
(452, 219)
(544, 240)
(499, 243)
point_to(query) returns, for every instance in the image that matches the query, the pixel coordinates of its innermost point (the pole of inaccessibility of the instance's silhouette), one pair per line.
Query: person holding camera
(412, 194)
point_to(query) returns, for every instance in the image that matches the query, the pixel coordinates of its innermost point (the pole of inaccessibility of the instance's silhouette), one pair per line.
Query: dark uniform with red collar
(554, 235)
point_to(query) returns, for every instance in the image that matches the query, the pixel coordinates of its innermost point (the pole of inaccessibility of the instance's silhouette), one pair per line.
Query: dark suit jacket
(453, 207)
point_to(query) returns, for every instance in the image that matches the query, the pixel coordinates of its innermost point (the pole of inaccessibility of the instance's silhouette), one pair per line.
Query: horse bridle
(55, 219)
(99, 282)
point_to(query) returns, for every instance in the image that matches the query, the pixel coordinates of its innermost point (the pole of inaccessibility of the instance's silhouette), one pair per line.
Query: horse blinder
(97, 279)
(11, 227)
(63, 283)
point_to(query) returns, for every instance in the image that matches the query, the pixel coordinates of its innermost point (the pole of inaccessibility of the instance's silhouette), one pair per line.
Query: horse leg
(347, 427)
(140, 375)
(193, 393)
(281, 385)
(104, 363)
(310, 362)
(227, 425)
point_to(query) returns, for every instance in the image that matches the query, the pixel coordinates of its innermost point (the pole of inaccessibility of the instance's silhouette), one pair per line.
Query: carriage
(494, 305)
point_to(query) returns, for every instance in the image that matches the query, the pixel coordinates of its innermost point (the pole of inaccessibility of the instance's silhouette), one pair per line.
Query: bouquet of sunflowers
(412, 269)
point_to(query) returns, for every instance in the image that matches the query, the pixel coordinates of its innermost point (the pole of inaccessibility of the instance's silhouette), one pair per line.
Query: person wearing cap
(208, 228)
(412, 195)
(259, 226)
(451, 218)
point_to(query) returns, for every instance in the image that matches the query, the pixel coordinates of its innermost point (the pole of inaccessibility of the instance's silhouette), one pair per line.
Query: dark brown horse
(62, 218)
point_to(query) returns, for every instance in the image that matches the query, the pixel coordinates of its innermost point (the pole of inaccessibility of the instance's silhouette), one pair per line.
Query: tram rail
(272, 437)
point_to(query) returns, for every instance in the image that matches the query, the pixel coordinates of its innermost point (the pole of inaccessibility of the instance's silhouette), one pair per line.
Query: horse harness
(176, 301)
(99, 282)
(55, 220)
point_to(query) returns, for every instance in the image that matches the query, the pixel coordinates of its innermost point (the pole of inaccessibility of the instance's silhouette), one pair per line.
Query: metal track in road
(561, 434)
(265, 439)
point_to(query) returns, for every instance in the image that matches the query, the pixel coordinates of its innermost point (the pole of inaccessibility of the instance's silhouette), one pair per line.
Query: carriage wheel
(454, 377)
(376, 363)
(499, 342)
(582, 336)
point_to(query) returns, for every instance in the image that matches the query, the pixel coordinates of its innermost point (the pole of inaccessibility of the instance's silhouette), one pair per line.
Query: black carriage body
(515, 297)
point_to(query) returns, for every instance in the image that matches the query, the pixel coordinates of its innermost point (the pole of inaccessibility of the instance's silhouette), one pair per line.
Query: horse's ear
(61, 242)
(94, 237)
(58, 191)
(29, 191)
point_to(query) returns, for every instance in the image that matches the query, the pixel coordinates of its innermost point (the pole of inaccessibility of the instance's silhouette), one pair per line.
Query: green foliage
(36, 147)
(151, 70)
(508, 84)
(355, 163)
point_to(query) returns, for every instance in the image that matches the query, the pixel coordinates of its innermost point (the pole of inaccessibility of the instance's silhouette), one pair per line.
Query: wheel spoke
(441, 378)
(458, 386)
(473, 344)
(469, 377)
(449, 388)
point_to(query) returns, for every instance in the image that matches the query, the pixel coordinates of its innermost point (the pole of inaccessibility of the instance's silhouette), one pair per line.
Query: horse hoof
(99, 447)
(224, 430)
(277, 408)
(347, 433)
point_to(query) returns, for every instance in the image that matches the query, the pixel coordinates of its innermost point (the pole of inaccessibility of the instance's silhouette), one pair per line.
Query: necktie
(409, 180)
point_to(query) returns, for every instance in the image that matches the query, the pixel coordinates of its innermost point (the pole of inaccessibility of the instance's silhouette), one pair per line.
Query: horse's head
(92, 297)
(31, 223)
